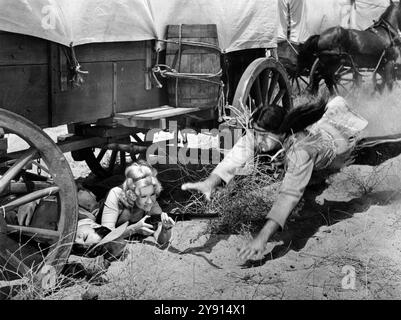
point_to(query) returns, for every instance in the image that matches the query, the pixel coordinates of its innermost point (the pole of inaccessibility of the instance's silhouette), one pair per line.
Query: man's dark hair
(270, 118)
(275, 119)
(85, 250)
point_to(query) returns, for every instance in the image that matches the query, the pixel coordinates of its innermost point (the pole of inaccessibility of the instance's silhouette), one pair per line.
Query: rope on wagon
(166, 71)
(77, 79)
(292, 47)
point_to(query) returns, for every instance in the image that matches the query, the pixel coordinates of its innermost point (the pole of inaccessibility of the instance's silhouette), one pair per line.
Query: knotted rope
(166, 71)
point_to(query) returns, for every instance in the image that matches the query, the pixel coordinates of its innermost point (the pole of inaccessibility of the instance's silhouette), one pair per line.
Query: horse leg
(313, 86)
(389, 75)
(330, 84)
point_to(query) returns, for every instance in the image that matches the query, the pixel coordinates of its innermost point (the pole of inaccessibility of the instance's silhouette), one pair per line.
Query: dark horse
(374, 48)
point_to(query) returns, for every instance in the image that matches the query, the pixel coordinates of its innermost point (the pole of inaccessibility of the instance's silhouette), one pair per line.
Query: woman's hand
(167, 222)
(142, 227)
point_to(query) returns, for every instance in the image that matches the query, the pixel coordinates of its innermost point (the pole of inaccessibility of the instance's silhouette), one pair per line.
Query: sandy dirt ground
(345, 244)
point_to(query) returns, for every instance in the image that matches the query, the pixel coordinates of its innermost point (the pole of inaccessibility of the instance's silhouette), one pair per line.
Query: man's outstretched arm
(241, 153)
(298, 174)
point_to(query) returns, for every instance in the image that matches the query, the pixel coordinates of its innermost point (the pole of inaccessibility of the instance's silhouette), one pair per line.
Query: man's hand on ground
(257, 246)
(253, 249)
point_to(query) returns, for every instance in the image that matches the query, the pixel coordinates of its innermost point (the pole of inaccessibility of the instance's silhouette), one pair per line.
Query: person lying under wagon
(128, 207)
(317, 136)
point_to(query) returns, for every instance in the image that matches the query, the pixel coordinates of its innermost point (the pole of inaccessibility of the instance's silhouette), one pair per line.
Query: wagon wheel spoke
(344, 72)
(258, 93)
(264, 79)
(112, 161)
(123, 160)
(272, 86)
(279, 96)
(37, 234)
(347, 80)
(303, 80)
(18, 265)
(36, 195)
(16, 168)
(267, 78)
(298, 86)
(101, 155)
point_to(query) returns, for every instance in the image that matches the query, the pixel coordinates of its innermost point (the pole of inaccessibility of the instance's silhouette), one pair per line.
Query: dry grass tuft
(240, 207)
(364, 183)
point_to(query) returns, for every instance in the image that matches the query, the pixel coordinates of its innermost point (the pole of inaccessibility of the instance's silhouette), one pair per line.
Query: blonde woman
(135, 202)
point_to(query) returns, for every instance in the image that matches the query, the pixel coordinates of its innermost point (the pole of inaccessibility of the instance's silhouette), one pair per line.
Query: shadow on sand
(299, 230)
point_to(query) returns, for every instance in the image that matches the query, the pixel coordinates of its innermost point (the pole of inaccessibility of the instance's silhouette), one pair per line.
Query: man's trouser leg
(374, 151)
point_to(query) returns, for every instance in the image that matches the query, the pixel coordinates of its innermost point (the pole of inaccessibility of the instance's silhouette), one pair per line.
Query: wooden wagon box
(35, 80)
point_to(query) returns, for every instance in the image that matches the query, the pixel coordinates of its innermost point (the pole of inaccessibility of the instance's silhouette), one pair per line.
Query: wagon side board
(35, 80)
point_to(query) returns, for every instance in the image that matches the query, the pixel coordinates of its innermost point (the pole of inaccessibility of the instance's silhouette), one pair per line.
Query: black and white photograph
(221, 152)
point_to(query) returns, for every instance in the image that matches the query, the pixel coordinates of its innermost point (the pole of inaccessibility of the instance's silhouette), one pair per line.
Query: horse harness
(393, 34)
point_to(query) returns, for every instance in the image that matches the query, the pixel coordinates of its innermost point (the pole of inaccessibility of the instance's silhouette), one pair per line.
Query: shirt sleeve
(237, 157)
(300, 166)
(111, 210)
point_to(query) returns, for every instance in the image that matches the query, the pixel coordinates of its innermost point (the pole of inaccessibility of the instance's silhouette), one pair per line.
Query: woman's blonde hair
(138, 175)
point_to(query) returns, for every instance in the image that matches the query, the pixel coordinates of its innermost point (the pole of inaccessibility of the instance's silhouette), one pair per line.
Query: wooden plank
(132, 94)
(18, 49)
(140, 124)
(103, 131)
(148, 67)
(63, 68)
(89, 102)
(165, 113)
(147, 111)
(24, 90)
(115, 51)
(80, 143)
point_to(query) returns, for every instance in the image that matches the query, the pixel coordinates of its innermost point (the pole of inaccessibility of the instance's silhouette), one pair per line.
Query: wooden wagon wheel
(347, 79)
(342, 80)
(299, 84)
(105, 162)
(263, 83)
(28, 249)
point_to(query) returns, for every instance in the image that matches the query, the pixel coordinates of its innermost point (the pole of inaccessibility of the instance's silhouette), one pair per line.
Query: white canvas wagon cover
(309, 17)
(241, 24)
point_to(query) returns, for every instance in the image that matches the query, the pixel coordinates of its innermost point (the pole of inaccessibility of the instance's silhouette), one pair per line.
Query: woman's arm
(111, 210)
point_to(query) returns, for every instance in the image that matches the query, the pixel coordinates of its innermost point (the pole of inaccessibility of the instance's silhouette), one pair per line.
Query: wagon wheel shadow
(299, 230)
